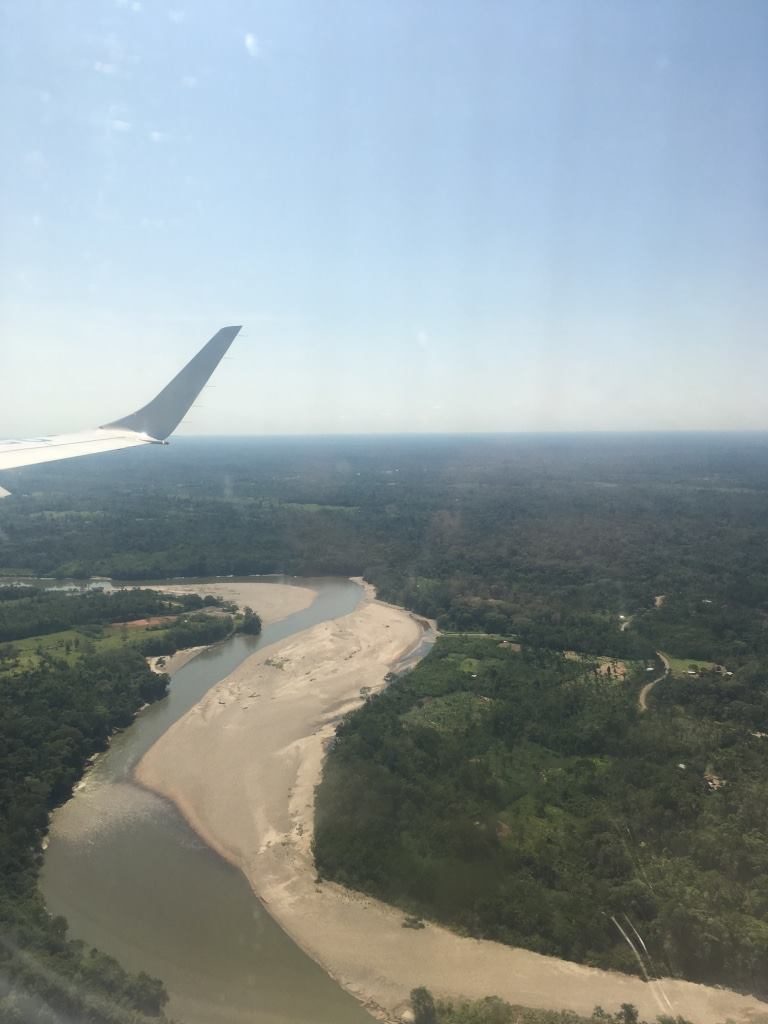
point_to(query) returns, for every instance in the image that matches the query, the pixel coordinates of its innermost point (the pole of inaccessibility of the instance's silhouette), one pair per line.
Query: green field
(511, 638)
(447, 714)
(682, 666)
(69, 644)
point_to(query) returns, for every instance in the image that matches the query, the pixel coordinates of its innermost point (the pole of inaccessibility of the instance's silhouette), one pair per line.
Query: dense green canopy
(523, 797)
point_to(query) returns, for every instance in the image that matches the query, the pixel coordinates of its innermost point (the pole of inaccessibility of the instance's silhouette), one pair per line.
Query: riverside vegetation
(544, 542)
(428, 1010)
(521, 796)
(72, 670)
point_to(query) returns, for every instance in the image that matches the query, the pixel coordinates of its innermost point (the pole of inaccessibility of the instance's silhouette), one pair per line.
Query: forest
(518, 794)
(522, 796)
(547, 537)
(35, 622)
(32, 611)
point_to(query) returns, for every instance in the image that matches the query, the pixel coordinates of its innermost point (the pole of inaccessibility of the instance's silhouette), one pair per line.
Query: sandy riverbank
(171, 663)
(242, 767)
(272, 602)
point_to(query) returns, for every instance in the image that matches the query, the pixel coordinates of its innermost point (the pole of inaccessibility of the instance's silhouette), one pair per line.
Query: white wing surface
(65, 446)
(151, 424)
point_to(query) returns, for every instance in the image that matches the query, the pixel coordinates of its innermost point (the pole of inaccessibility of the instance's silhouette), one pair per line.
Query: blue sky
(428, 215)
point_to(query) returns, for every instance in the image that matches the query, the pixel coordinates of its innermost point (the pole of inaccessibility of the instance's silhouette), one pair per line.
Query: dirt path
(642, 700)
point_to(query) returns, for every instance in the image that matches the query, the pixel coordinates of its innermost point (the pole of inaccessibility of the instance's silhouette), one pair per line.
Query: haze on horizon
(434, 217)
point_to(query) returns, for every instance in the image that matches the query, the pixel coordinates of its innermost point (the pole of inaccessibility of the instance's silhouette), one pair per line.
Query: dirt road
(642, 700)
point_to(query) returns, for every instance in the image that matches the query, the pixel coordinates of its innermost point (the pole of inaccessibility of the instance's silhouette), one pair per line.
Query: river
(133, 880)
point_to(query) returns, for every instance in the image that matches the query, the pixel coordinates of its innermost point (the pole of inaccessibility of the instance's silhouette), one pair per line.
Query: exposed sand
(171, 663)
(242, 767)
(272, 601)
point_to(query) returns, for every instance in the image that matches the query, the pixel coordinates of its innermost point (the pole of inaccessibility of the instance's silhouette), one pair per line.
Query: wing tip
(160, 417)
(225, 336)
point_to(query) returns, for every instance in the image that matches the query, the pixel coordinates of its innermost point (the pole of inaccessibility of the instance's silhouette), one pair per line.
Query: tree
(628, 1014)
(423, 1006)
(251, 622)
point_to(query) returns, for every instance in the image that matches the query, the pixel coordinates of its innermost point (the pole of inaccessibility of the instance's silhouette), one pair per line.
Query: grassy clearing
(446, 714)
(682, 666)
(70, 644)
(507, 638)
(614, 668)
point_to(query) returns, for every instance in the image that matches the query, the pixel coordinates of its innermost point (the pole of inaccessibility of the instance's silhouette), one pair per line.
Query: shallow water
(133, 879)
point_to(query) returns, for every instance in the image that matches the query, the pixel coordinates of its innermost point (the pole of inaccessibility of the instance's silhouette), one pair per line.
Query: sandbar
(242, 767)
(272, 602)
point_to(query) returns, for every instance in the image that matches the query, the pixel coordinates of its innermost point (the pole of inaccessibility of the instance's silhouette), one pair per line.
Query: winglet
(162, 415)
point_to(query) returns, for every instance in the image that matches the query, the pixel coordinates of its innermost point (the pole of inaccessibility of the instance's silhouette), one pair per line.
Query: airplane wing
(151, 424)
